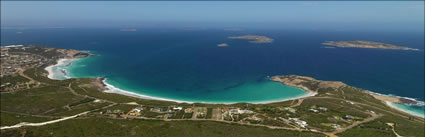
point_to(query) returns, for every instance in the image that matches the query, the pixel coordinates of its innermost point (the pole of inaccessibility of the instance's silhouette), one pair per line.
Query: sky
(272, 14)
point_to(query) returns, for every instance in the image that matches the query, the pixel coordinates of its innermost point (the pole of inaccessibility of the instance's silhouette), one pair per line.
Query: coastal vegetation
(107, 127)
(336, 109)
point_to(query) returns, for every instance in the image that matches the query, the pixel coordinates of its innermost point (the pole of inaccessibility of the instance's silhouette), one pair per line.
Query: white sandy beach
(309, 94)
(50, 68)
(390, 99)
(402, 110)
(113, 89)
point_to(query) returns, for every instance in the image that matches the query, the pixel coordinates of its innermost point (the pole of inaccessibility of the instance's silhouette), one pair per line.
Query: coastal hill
(254, 38)
(312, 85)
(365, 44)
(35, 105)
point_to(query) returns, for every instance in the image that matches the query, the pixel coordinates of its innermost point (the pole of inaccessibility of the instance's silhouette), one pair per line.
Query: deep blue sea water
(188, 65)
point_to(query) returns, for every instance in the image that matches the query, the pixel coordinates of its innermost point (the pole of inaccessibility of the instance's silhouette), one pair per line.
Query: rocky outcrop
(307, 83)
(74, 53)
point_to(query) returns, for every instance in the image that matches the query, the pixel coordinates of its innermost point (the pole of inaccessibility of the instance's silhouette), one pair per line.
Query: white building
(313, 110)
(177, 108)
(299, 122)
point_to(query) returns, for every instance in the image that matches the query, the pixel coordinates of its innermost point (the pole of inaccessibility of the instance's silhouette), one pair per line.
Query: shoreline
(59, 62)
(108, 88)
(295, 81)
(309, 94)
(395, 98)
(389, 100)
(112, 89)
(388, 103)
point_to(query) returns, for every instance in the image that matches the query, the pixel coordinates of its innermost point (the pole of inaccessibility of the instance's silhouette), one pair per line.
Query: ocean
(187, 64)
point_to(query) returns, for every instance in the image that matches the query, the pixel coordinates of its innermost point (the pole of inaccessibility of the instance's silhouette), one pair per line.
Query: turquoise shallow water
(418, 110)
(61, 71)
(249, 92)
(253, 92)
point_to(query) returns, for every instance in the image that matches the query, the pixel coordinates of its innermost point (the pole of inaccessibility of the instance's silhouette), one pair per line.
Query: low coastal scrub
(104, 127)
(12, 79)
(8, 118)
(38, 100)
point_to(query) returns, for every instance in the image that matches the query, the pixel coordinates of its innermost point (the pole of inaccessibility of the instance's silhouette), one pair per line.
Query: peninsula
(254, 38)
(313, 85)
(365, 44)
(34, 105)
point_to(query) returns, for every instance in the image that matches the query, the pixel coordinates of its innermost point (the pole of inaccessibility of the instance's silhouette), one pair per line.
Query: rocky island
(365, 44)
(254, 38)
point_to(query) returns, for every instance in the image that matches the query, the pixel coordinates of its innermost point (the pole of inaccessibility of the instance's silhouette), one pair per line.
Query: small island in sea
(365, 44)
(254, 38)
(222, 45)
(32, 103)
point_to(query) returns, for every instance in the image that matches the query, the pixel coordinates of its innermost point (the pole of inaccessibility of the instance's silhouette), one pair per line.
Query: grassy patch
(13, 79)
(78, 109)
(371, 129)
(209, 113)
(8, 119)
(37, 100)
(122, 107)
(85, 100)
(188, 115)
